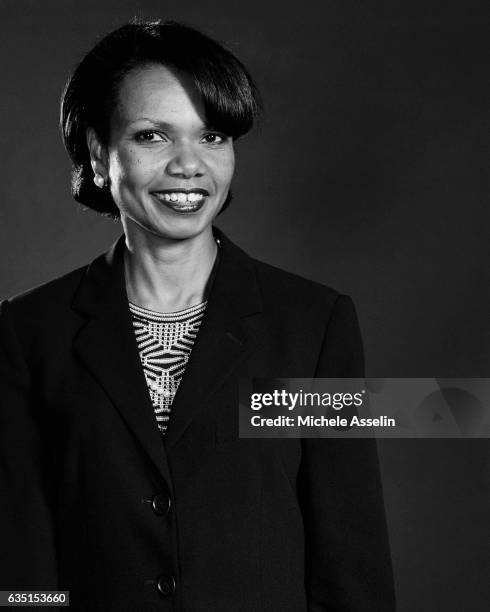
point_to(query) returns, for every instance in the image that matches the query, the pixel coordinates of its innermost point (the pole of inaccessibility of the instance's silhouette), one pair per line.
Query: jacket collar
(103, 287)
(107, 345)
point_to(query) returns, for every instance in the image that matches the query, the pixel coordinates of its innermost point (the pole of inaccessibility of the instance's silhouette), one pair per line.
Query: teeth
(181, 198)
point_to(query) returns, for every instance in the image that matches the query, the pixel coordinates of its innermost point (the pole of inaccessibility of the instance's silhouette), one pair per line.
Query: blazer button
(166, 585)
(161, 504)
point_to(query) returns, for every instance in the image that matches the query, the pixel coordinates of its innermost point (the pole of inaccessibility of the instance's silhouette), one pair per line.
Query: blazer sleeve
(28, 559)
(347, 556)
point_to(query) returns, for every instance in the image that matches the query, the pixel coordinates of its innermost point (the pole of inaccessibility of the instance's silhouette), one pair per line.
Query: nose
(185, 162)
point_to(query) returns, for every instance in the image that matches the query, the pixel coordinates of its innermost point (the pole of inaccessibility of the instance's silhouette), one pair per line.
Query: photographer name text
(320, 421)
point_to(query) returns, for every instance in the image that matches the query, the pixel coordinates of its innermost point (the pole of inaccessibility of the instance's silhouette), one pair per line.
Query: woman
(126, 481)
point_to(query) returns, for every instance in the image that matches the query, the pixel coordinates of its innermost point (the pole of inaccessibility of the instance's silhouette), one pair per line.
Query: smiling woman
(125, 480)
(162, 152)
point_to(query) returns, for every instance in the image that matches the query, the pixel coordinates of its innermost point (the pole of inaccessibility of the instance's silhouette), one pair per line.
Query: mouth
(182, 200)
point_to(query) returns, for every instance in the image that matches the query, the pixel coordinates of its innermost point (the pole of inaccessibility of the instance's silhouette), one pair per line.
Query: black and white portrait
(193, 195)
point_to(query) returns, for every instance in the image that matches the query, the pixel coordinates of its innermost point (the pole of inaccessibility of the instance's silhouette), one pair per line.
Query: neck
(167, 275)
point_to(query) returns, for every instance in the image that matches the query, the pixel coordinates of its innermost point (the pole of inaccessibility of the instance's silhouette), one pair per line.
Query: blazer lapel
(107, 346)
(223, 341)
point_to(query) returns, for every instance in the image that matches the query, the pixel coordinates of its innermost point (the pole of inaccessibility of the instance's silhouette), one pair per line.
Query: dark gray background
(370, 166)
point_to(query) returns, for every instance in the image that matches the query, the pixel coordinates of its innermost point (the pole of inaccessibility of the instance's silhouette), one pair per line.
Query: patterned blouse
(165, 342)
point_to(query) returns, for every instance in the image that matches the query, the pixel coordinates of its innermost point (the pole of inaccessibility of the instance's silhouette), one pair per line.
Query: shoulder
(289, 301)
(53, 294)
(313, 322)
(44, 312)
(300, 305)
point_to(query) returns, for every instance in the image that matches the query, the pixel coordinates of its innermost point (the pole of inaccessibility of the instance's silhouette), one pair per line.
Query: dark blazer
(95, 503)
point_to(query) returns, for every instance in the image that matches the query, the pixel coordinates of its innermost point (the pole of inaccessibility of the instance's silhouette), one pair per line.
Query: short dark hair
(230, 98)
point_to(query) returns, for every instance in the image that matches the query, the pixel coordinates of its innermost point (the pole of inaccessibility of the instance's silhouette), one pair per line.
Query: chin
(182, 230)
(171, 226)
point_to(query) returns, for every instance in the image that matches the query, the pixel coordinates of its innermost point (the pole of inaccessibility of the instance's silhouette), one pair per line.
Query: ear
(98, 154)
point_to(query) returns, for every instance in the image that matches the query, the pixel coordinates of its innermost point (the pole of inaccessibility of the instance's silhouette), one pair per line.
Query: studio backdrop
(370, 164)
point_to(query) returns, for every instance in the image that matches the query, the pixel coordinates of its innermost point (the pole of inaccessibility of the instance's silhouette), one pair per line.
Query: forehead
(157, 92)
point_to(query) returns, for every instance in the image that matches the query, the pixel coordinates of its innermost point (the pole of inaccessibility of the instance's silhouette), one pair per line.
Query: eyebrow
(164, 125)
(161, 124)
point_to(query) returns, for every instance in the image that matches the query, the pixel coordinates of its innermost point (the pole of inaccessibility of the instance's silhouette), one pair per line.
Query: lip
(203, 192)
(180, 208)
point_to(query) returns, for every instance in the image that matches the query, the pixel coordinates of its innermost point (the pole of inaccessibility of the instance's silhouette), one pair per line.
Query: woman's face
(169, 172)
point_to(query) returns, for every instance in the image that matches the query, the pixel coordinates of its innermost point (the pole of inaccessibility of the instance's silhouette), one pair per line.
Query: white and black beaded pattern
(165, 342)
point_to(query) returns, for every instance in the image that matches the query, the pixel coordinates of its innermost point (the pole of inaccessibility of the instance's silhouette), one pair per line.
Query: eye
(149, 136)
(214, 138)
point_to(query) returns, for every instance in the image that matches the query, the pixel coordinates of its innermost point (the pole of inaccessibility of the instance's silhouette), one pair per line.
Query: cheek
(225, 169)
(129, 169)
